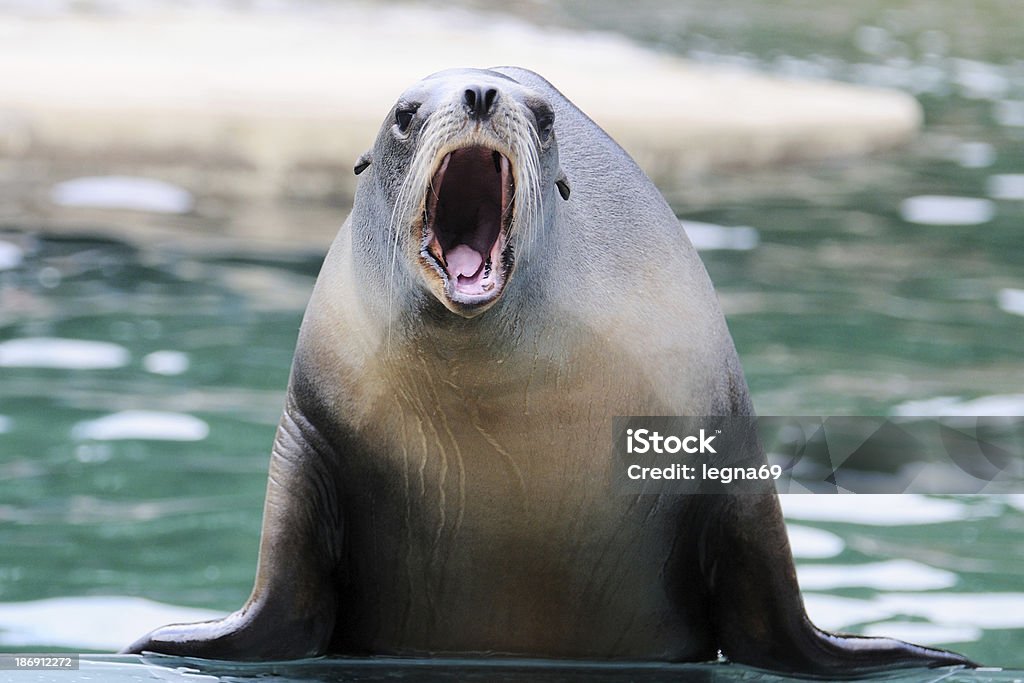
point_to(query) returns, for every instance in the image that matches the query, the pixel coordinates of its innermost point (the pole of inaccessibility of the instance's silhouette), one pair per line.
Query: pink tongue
(463, 261)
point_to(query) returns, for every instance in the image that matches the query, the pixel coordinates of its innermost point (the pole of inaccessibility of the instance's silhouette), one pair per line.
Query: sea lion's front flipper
(758, 614)
(291, 611)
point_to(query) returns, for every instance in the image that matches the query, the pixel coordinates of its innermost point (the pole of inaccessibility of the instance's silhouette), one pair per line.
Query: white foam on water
(1000, 405)
(11, 255)
(166, 362)
(149, 425)
(709, 237)
(89, 623)
(1011, 300)
(873, 509)
(5, 424)
(930, 209)
(68, 354)
(923, 633)
(810, 543)
(122, 192)
(1006, 186)
(889, 575)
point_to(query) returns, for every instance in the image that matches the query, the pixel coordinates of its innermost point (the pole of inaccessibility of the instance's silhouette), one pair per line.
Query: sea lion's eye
(403, 118)
(545, 123)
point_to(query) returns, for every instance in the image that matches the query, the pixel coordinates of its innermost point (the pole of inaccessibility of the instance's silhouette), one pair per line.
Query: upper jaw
(465, 248)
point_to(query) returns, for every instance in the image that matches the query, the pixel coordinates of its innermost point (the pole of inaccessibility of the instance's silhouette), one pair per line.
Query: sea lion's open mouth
(467, 213)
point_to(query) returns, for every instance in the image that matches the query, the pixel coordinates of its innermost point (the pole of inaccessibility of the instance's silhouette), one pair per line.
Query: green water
(843, 307)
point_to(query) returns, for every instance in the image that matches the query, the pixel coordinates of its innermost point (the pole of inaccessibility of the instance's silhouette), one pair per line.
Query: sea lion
(508, 281)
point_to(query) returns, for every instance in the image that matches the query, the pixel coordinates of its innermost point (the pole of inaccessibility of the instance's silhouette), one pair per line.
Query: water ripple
(708, 236)
(889, 575)
(977, 611)
(91, 510)
(924, 633)
(89, 623)
(873, 509)
(975, 155)
(1009, 113)
(1011, 300)
(810, 543)
(943, 210)
(122, 192)
(1006, 186)
(68, 354)
(11, 255)
(1008, 405)
(142, 424)
(166, 362)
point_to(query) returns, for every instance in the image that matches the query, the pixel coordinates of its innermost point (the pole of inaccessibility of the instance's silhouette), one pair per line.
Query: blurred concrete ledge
(281, 90)
(281, 104)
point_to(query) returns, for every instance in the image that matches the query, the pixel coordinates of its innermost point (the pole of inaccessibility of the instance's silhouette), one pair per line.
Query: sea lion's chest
(516, 432)
(483, 510)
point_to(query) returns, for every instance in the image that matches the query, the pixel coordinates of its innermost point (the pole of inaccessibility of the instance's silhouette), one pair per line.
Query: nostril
(478, 102)
(470, 98)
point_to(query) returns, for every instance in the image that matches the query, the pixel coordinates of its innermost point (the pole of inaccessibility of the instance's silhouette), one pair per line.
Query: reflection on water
(139, 387)
(710, 237)
(122, 192)
(889, 575)
(69, 354)
(881, 509)
(149, 425)
(924, 632)
(1010, 112)
(166, 362)
(810, 543)
(1006, 186)
(1011, 301)
(974, 155)
(101, 623)
(934, 210)
(994, 406)
(10, 255)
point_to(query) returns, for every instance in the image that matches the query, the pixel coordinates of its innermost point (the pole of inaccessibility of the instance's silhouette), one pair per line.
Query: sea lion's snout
(465, 159)
(483, 144)
(468, 211)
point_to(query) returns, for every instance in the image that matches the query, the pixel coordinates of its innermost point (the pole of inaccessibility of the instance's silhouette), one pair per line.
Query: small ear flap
(363, 162)
(563, 185)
